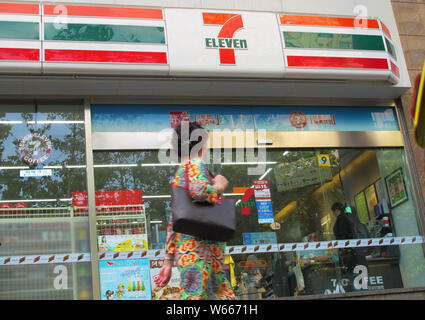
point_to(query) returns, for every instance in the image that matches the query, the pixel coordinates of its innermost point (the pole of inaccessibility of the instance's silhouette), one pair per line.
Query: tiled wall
(410, 17)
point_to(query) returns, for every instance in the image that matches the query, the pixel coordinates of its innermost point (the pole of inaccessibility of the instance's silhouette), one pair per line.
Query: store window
(291, 247)
(44, 252)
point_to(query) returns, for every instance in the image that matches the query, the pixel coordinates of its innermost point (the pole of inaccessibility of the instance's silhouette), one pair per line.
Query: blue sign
(265, 211)
(254, 238)
(154, 118)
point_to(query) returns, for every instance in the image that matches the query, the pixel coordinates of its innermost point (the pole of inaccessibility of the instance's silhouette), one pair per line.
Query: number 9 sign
(323, 160)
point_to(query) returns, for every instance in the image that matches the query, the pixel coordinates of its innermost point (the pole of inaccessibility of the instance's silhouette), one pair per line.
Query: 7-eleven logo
(226, 44)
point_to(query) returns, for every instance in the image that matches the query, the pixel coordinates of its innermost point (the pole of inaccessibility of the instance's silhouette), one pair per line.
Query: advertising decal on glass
(172, 290)
(35, 148)
(125, 242)
(125, 279)
(263, 201)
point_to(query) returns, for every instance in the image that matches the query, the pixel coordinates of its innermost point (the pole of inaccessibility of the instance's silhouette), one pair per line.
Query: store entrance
(133, 207)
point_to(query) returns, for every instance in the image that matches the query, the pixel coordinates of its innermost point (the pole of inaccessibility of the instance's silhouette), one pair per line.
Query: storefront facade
(298, 98)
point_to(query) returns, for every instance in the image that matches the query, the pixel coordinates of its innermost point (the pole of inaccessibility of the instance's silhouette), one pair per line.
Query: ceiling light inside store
(54, 122)
(10, 122)
(75, 166)
(115, 165)
(33, 200)
(159, 164)
(156, 197)
(14, 168)
(265, 173)
(247, 163)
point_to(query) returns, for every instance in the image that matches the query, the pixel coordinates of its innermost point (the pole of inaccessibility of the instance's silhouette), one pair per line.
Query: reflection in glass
(36, 213)
(303, 187)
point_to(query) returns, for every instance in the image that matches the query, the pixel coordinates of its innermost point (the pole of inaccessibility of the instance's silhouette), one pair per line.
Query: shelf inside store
(33, 213)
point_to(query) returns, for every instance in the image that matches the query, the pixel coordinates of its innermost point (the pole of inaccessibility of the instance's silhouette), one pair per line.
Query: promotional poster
(125, 279)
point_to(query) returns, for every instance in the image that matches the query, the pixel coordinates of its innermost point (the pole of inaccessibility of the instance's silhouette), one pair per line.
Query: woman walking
(200, 262)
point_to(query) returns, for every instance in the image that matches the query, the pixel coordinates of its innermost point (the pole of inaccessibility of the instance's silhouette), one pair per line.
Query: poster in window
(371, 198)
(361, 205)
(380, 190)
(124, 242)
(125, 279)
(396, 188)
(172, 290)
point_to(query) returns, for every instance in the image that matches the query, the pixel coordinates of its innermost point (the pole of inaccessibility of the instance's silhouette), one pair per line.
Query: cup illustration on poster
(125, 279)
(172, 290)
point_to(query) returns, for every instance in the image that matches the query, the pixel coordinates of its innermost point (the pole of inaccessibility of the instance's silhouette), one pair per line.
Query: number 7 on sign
(230, 24)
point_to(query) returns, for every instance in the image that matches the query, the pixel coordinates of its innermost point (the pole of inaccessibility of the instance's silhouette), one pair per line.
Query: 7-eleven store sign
(225, 42)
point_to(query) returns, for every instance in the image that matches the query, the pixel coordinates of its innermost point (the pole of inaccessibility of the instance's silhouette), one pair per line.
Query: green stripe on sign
(19, 30)
(333, 41)
(103, 32)
(391, 48)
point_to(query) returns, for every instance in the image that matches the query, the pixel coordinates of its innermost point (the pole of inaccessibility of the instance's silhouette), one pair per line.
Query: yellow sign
(419, 110)
(323, 160)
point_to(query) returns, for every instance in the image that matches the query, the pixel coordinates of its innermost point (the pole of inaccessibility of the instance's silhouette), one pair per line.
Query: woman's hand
(162, 279)
(220, 183)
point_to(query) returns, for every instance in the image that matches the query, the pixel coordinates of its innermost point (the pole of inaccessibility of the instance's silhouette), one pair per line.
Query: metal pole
(412, 166)
(92, 205)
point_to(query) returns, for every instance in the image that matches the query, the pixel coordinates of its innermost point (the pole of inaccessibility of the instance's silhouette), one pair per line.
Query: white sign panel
(224, 43)
(35, 173)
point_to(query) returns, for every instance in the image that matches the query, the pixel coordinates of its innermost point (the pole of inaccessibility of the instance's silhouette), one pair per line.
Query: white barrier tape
(241, 249)
(324, 245)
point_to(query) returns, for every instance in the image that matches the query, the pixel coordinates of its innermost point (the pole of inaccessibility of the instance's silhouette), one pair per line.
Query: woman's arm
(171, 240)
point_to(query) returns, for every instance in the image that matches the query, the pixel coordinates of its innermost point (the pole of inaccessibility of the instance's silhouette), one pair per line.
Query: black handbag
(202, 219)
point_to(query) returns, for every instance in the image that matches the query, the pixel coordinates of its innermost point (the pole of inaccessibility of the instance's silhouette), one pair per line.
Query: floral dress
(200, 262)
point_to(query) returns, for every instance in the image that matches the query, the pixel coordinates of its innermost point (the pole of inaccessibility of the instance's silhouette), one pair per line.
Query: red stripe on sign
(105, 56)
(337, 62)
(19, 54)
(19, 8)
(395, 69)
(115, 12)
(227, 56)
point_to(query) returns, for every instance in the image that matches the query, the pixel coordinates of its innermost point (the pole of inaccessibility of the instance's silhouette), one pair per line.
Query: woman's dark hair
(338, 206)
(182, 139)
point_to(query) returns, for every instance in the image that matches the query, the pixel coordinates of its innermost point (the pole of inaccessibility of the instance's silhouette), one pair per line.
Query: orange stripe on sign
(114, 12)
(216, 18)
(386, 30)
(326, 21)
(19, 8)
(239, 189)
